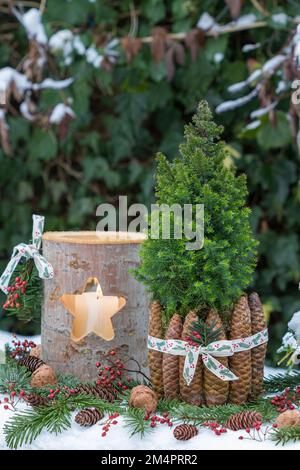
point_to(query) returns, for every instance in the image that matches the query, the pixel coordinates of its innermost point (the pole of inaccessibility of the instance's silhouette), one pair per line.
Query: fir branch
(280, 381)
(135, 421)
(26, 426)
(14, 377)
(204, 334)
(282, 436)
(197, 415)
(167, 405)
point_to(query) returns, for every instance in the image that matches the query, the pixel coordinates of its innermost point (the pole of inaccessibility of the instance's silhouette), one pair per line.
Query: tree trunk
(75, 257)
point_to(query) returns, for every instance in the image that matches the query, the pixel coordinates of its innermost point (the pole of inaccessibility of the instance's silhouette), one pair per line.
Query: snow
(272, 64)
(218, 57)
(55, 84)
(93, 57)
(207, 22)
(25, 111)
(294, 324)
(251, 47)
(62, 42)
(262, 111)
(254, 76)
(119, 439)
(8, 75)
(245, 20)
(253, 125)
(280, 18)
(59, 112)
(233, 104)
(32, 22)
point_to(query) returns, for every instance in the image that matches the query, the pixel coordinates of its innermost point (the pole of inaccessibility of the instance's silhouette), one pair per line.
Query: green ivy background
(126, 115)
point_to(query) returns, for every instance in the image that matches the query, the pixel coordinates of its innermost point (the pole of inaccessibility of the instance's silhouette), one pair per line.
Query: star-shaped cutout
(92, 311)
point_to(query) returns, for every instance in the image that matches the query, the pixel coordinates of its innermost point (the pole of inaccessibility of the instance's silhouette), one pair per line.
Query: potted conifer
(201, 295)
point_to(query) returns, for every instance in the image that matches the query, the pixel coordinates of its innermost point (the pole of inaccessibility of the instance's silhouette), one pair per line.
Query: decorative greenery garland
(25, 426)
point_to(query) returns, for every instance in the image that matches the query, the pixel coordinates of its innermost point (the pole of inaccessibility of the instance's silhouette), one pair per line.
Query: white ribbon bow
(222, 348)
(44, 268)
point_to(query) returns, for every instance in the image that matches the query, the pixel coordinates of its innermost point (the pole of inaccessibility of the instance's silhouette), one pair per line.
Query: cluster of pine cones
(166, 370)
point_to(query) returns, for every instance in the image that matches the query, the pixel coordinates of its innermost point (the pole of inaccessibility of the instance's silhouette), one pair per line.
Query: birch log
(75, 257)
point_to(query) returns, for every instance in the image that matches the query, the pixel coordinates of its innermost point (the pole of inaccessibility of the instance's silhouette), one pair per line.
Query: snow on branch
(32, 23)
(233, 104)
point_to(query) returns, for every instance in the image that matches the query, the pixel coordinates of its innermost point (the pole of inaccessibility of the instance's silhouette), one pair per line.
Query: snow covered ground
(118, 437)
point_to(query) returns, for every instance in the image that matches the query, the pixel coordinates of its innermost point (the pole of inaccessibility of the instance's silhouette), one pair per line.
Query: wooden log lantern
(69, 342)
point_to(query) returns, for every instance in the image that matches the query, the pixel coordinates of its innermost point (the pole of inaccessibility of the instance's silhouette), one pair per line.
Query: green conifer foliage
(216, 275)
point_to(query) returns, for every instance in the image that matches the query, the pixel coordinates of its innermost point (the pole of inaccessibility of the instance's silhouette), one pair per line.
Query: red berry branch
(10, 403)
(21, 348)
(214, 426)
(287, 400)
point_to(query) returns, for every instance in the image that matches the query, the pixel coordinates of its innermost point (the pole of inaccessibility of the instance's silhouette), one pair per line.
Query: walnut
(44, 375)
(143, 397)
(288, 418)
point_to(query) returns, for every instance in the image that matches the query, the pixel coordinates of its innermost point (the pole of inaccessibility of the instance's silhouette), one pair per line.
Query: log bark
(75, 257)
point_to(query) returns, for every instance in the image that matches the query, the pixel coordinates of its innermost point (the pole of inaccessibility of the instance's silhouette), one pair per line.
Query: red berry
(6, 407)
(103, 434)
(241, 438)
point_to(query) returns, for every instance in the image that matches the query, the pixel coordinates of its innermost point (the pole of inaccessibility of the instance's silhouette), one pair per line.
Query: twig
(260, 8)
(43, 6)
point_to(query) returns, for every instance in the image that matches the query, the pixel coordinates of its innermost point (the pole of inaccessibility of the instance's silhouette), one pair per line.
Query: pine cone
(32, 363)
(88, 416)
(184, 432)
(36, 400)
(215, 390)
(192, 393)
(170, 361)
(96, 390)
(240, 362)
(155, 358)
(243, 420)
(258, 354)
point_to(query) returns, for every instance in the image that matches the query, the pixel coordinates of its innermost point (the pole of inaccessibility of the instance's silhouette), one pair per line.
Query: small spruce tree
(216, 275)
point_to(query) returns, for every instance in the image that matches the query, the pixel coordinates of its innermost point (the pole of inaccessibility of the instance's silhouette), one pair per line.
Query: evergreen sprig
(14, 377)
(282, 436)
(204, 334)
(199, 415)
(24, 427)
(135, 421)
(280, 381)
(31, 300)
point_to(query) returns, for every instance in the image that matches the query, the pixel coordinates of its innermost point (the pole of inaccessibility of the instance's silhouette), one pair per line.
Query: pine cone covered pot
(258, 354)
(88, 417)
(170, 361)
(184, 432)
(215, 390)
(240, 362)
(243, 420)
(155, 358)
(192, 393)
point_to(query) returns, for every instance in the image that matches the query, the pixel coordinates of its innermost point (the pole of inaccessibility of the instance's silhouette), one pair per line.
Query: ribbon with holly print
(44, 268)
(223, 348)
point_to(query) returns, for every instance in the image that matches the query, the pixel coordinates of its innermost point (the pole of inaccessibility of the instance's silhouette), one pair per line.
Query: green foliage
(279, 382)
(283, 436)
(135, 421)
(125, 116)
(199, 415)
(14, 377)
(216, 275)
(24, 427)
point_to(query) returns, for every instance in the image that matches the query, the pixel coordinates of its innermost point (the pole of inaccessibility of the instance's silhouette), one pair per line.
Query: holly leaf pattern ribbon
(23, 250)
(223, 348)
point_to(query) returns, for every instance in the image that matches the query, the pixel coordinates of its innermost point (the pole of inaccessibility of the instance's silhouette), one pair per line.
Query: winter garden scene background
(92, 90)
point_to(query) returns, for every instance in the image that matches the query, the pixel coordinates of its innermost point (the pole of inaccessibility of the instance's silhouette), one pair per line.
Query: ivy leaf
(275, 136)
